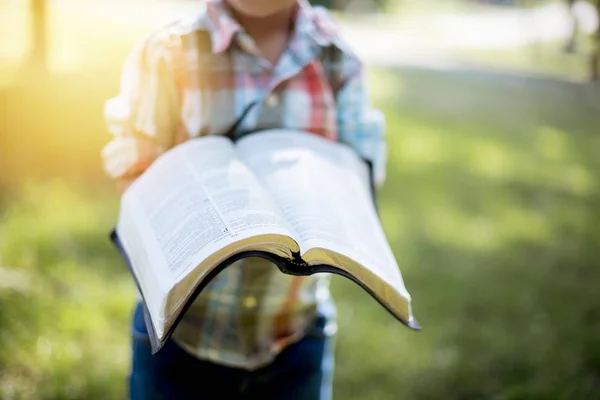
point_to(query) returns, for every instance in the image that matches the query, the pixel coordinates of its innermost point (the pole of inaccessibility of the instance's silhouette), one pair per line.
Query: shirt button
(249, 302)
(273, 100)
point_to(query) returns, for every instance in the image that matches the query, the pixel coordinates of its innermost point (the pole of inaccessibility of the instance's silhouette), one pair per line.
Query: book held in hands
(303, 202)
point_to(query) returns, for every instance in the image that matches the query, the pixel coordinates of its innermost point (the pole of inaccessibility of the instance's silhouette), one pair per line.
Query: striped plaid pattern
(196, 77)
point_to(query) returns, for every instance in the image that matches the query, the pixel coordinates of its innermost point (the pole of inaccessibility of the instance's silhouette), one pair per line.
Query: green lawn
(491, 207)
(547, 59)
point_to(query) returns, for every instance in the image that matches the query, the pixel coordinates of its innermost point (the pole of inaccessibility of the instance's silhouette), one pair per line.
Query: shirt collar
(313, 22)
(316, 23)
(222, 26)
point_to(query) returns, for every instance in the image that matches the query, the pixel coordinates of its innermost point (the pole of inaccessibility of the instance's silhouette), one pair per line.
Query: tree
(38, 56)
(571, 44)
(595, 57)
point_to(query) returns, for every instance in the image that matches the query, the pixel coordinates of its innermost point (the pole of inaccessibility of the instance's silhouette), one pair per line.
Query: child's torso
(251, 309)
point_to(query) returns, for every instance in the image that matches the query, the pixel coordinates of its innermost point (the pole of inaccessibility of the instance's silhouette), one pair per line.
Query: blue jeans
(302, 371)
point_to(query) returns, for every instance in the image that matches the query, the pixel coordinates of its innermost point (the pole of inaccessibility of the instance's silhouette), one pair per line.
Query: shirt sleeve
(361, 126)
(143, 117)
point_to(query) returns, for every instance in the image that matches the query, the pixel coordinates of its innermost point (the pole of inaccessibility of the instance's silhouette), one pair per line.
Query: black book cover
(295, 266)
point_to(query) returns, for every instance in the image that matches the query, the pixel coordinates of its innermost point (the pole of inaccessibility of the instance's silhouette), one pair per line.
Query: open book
(301, 201)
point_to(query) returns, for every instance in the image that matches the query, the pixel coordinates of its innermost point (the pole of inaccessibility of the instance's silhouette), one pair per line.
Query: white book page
(323, 189)
(193, 201)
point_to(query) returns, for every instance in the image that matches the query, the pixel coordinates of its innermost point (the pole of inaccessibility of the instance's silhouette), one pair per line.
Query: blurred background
(491, 204)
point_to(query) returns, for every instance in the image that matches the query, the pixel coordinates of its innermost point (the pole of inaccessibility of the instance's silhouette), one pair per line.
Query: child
(253, 332)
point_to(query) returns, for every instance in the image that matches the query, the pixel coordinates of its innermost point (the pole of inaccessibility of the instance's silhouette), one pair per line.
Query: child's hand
(127, 157)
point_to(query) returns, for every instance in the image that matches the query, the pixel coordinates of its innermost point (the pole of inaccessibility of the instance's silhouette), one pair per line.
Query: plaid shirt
(196, 77)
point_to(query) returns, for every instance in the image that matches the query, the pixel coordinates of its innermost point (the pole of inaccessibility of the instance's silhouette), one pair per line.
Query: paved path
(435, 38)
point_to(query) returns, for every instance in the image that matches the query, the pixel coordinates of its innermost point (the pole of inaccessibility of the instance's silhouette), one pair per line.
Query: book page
(192, 202)
(324, 191)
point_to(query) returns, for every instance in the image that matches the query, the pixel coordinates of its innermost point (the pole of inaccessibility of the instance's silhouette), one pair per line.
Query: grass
(64, 297)
(544, 58)
(491, 206)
